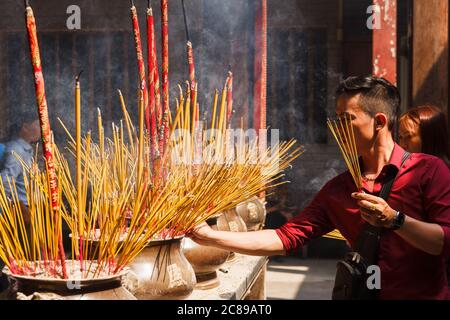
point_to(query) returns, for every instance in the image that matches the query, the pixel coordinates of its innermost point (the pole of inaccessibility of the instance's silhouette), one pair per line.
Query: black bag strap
(368, 240)
(387, 186)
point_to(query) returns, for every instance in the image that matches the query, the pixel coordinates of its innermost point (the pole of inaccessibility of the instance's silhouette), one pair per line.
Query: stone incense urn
(253, 212)
(103, 287)
(161, 272)
(230, 220)
(205, 260)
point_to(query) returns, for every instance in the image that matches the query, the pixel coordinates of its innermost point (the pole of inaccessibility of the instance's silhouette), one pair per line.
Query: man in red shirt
(415, 219)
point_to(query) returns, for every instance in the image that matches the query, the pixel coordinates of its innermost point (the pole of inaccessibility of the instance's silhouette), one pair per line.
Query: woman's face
(409, 136)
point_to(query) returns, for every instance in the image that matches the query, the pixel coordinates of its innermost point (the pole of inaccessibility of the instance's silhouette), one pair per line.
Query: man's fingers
(369, 206)
(200, 231)
(200, 226)
(365, 196)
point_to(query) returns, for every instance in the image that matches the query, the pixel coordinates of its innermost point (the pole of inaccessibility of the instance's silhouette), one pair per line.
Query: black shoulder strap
(387, 186)
(368, 241)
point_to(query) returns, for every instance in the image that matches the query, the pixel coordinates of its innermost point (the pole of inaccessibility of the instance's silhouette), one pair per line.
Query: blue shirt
(12, 167)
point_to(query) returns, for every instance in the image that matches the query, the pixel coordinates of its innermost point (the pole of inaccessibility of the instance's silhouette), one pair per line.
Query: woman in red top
(424, 129)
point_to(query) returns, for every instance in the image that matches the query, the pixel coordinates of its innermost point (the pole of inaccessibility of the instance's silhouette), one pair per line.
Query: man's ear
(380, 121)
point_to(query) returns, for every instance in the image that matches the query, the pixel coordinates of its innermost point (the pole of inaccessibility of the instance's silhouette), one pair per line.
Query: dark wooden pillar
(430, 83)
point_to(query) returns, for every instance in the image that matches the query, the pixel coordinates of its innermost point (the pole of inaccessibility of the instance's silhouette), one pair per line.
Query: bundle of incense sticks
(123, 212)
(23, 252)
(186, 197)
(335, 234)
(342, 130)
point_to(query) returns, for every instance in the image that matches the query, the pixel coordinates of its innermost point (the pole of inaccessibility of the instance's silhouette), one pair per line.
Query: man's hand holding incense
(201, 234)
(428, 237)
(375, 210)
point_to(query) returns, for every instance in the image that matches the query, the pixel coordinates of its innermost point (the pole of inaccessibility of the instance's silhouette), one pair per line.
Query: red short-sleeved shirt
(421, 191)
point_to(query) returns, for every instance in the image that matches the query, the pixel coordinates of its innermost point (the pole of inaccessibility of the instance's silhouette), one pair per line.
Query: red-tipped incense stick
(140, 59)
(44, 122)
(152, 70)
(165, 58)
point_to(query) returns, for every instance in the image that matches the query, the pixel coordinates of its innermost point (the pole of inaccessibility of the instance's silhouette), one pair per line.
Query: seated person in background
(23, 134)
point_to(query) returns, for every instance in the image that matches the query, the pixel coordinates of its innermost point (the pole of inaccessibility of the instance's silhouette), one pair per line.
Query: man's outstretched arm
(256, 243)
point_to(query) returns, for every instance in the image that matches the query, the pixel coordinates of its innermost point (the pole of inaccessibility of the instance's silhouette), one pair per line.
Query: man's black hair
(376, 95)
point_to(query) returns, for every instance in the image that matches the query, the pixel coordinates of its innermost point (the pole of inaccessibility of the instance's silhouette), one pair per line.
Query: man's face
(363, 123)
